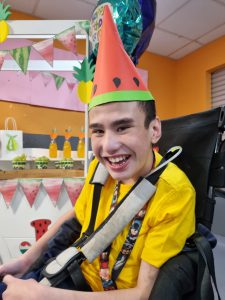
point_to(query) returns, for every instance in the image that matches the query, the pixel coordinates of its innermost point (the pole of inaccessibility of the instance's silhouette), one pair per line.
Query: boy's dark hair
(149, 109)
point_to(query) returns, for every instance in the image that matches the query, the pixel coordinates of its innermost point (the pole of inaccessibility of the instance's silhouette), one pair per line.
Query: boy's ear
(155, 130)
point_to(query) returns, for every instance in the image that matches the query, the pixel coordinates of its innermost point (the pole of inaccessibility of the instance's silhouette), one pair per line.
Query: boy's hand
(18, 289)
(15, 267)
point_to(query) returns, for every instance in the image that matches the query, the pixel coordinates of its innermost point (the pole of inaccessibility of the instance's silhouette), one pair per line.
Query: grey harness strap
(123, 214)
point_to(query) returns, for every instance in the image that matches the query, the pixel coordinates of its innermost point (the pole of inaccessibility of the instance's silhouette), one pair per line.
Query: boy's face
(121, 142)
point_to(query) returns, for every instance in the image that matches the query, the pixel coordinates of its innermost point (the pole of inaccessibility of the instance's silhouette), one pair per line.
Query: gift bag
(11, 140)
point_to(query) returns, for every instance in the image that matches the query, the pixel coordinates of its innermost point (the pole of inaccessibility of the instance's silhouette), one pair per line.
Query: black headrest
(197, 134)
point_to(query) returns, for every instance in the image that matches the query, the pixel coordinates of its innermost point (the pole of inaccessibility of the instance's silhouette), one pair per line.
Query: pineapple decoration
(85, 75)
(4, 27)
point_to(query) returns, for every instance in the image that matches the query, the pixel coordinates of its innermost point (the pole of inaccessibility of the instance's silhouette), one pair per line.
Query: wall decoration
(40, 226)
(24, 246)
(8, 189)
(73, 187)
(30, 187)
(53, 188)
(45, 49)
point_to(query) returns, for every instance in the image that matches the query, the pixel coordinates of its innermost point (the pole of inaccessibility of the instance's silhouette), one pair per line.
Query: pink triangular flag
(68, 39)
(53, 188)
(8, 189)
(33, 74)
(2, 57)
(70, 85)
(46, 77)
(45, 49)
(30, 188)
(73, 188)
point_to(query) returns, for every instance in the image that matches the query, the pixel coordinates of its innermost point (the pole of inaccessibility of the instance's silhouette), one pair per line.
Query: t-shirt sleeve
(172, 222)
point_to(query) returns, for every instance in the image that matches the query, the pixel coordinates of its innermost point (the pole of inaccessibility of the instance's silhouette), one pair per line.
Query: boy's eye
(97, 131)
(122, 128)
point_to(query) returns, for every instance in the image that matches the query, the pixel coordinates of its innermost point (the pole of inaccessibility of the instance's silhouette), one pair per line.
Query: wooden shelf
(36, 173)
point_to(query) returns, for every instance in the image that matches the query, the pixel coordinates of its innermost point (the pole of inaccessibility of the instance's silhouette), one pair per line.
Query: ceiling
(182, 26)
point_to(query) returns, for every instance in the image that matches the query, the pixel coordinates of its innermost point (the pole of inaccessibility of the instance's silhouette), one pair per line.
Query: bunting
(45, 49)
(2, 57)
(53, 188)
(68, 39)
(21, 56)
(31, 187)
(47, 77)
(70, 85)
(58, 80)
(8, 189)
(73, 188)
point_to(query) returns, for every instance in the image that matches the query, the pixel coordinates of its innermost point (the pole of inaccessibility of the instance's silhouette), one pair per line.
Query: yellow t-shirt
(169, 221)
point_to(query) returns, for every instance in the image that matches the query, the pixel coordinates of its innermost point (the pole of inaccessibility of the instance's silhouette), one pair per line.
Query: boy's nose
(110, 144)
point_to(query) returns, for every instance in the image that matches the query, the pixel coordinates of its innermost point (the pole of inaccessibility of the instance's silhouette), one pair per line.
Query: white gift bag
(11, 140)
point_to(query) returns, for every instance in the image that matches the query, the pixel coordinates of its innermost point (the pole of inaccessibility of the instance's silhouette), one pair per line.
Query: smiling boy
(123, 128)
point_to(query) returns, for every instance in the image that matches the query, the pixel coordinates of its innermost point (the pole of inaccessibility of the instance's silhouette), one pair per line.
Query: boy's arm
(19, 266)
(30, 290)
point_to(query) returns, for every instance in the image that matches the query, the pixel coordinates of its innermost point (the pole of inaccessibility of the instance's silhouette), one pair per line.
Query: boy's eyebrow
(126, 121)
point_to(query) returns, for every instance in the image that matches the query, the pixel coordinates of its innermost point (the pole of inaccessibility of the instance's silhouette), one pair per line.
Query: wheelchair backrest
(200, 136)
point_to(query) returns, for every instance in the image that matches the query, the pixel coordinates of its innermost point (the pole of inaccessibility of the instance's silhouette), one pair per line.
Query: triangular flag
(58, 80)
(8, 189)
(21, 56)
(70, 85)
(2, 57)
(73, 188)
(53, 188)
(33, 74)
(30, 188)
(45, 49)
(46, 77)
(68, 39)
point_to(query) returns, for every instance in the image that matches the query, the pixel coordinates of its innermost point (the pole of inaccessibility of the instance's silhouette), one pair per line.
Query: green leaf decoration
(85, 72)
(4, 11)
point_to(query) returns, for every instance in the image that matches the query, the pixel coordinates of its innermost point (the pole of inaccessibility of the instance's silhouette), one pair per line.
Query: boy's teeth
(117, 159)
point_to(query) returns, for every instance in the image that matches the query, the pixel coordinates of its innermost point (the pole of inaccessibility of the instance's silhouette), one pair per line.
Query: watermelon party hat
(116, 78)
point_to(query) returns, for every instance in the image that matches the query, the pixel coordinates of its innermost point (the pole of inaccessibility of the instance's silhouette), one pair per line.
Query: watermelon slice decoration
(30, 188)
(73, 188)
(8, 189)
(116, 77)
(53, 188)
(68, 39)
(41, 226)
(24, 246)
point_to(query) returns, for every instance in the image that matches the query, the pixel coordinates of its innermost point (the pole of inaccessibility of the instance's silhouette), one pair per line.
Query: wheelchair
(203, 160)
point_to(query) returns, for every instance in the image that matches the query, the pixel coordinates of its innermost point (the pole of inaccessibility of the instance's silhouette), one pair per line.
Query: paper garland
(8, 189)
(53, 188)
(31, 187)
(73, 187)
(45, 48)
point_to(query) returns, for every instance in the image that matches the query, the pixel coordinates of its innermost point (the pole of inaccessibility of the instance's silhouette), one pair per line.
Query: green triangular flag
(58, 80)
(21, 56)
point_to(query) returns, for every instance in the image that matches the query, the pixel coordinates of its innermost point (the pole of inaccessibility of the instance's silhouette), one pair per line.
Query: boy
(123, 128)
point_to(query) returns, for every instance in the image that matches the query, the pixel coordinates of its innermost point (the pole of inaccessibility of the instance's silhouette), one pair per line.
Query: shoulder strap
(206, 270)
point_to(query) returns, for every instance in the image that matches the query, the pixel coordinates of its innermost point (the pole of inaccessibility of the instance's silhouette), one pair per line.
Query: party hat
(116, 78)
